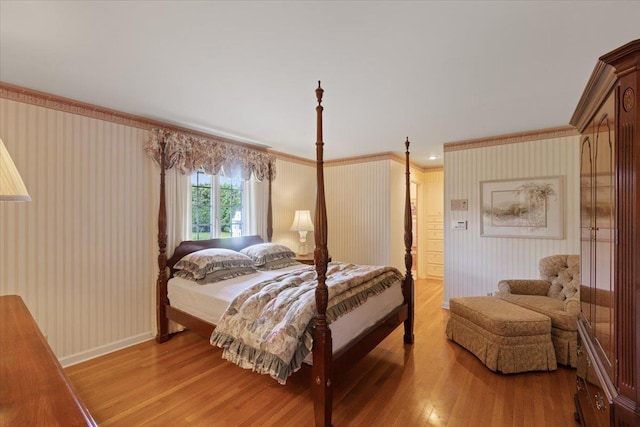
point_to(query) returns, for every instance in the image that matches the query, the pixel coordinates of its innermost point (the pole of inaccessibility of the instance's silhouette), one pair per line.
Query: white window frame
(216, 209)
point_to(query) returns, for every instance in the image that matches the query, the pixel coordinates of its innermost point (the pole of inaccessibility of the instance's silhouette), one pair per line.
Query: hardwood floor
(435, 382)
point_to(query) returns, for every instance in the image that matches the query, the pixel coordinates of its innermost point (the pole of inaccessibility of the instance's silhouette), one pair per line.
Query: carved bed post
(269, 208)
(161, 285)
(408, 286)
(322, 344)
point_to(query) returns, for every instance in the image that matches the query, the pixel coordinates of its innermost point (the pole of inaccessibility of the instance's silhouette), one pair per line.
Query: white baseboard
(105, 349)
(445, 305)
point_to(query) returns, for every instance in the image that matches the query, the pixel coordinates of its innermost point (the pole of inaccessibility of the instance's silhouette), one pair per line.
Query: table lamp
(11, 186)
(302, 224)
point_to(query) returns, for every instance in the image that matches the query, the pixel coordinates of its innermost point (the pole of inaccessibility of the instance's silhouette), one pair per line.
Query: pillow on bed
(227, 273)
(206, 261)
(265, 252)
(278, 264)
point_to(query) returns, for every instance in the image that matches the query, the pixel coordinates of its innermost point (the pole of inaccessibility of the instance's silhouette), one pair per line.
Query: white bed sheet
(208, 302)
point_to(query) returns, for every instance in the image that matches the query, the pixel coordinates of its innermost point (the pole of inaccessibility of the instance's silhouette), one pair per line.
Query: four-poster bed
(326, 361)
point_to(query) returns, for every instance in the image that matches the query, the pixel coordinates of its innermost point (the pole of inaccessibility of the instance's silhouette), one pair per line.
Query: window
(216, 209)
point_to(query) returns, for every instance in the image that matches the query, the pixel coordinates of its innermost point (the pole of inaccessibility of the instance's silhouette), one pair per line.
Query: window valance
(190, 153)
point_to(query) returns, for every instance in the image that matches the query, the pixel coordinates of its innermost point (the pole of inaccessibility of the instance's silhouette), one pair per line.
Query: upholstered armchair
(555, 294)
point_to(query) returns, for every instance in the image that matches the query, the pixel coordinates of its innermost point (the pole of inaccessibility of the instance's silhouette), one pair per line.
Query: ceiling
(436, 72)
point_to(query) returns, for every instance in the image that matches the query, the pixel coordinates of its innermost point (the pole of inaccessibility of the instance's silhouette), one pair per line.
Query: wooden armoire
(608, 117)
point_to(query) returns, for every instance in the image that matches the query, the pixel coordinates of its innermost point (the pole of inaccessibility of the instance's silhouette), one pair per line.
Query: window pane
(201, 206)
(230, 207)
(201, 178)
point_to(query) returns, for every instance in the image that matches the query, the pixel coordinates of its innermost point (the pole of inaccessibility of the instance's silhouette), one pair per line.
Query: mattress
(208, 302)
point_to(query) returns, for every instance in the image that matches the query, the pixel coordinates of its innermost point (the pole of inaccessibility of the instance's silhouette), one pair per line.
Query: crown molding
(351, 160)
(512, 138)
(67, 105)
(364, 159)
(279, 155)
(59, 103)
(388, 155)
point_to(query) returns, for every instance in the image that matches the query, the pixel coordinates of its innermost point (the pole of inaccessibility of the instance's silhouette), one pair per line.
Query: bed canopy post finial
(161, 284)
(322, 341)
(408, 286)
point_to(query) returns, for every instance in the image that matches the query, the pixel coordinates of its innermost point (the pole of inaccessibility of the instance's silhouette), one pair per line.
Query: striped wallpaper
(81, 253)
(358, 212)
(293, 189)
(365, 209)
(475, 264)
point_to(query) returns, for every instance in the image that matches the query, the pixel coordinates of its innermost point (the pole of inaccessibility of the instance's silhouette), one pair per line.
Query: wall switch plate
(459, 225)
(459, 204)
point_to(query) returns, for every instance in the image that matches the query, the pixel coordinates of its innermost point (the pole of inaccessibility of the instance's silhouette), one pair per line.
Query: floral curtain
(190, 153)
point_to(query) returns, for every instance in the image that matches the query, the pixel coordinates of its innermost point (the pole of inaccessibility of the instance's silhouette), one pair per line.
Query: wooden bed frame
(325, 363)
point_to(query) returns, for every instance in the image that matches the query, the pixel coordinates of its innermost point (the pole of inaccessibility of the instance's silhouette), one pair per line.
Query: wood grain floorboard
(435, 382)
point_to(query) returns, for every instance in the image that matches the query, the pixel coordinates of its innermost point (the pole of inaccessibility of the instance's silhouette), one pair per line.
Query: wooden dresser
(34, 390)
(608, 117)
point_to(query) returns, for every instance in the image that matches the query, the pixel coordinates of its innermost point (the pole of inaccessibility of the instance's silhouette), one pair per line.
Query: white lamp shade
(11, 186)
(302, 221)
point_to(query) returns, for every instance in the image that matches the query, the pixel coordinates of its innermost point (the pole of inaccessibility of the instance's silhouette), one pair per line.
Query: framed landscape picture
(529, 208)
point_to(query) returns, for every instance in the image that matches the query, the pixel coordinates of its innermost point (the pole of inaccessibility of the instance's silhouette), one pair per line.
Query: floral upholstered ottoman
(504, 336)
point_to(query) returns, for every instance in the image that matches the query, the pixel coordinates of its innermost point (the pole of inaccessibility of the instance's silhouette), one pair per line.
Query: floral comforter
(269, 327)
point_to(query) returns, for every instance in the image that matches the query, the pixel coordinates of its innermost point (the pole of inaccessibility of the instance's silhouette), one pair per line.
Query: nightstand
(307, 259)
